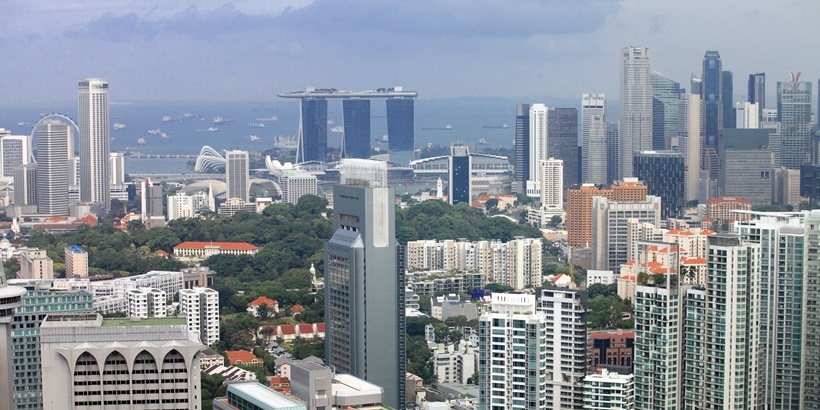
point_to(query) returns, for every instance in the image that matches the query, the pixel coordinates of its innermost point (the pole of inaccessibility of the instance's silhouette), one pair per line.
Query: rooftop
(233, 246)
(75, 249)
(312, 92)
(262, 395)
(144, 322)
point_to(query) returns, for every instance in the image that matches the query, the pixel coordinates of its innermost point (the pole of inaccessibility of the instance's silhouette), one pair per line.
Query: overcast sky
(216, 50)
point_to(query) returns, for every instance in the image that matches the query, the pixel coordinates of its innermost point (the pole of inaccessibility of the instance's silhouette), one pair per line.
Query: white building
(94, 141)
(636, 107)
(501, 356)
(552, 184)
(86, 359)
(454, 363)
(607, 391)
(145, 303)
(296, 184)
(610, 231)
(539, 133)
(35, 264)
(111, 295)
(54, 139)
(236, 175)
(748, 115)
(201, 309)
(182, 205)
(116, 168)
(603, 277)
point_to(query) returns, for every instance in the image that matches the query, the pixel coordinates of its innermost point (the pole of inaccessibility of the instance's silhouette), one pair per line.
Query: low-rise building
(320, 388)
(612, 349)
(253, 395)
(272, 306)
(76, 262)
(242, 357)
(210, 357)
(230, 373)
(202, 250)
(609, 391)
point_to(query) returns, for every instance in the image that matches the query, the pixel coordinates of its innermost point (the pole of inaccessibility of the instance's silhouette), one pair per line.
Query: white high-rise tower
(636, 107)
(94, 142)
(236, 175)
(538, 146)
(53, 142)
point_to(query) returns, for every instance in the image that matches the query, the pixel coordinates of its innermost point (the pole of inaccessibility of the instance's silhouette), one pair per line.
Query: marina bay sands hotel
(356, 110)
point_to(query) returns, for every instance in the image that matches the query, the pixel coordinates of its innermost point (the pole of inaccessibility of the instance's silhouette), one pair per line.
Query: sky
(217, 50)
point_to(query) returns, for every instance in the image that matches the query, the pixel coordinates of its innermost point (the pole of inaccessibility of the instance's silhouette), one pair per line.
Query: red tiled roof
(297, 308)
(288, 329)
(230, 246)
(162, 253)
(242, 356)
(305, 328)
(320, 327)
(262, 299)
(91, 220)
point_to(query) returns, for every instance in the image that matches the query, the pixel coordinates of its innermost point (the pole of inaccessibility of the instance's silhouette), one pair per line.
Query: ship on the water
(141, 141)
(256, 125)
(118, 126)
(271, 118)
(213, 129)
(254, 138)
(220, 120)
(155, 131)
(337, 128)
(383, 138)
(497, 126)
(484, 142)
(447, 127)
(281, 141)
(165, 135)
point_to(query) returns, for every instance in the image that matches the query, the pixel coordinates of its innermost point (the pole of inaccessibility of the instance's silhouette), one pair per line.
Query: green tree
(491, 206)
(601, 290)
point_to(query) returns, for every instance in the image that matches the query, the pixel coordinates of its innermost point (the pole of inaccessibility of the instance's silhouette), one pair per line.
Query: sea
(471, 119)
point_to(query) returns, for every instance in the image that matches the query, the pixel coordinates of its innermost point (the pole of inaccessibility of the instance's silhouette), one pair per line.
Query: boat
(141, 141)
(254, 138)
(383, 138)
(167, 119)
(484, 142)
(118, 126)
(187, 115)
(330, 122)
(271, 118)
(155, 131)
(337, 128)
(501, 126)
(447, 127)
(281, 141)
(164, 135)
(256, 125)
(213, 129)
(220, 120)
(21, 123)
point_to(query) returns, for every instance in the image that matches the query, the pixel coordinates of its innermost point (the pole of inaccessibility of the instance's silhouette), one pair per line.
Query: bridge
(140, 155)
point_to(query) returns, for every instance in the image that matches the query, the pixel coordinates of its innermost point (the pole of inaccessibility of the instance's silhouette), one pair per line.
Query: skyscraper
(400, 129)
(562, 141)
(15, 151)
(794, 114)
(727, 99)
(663, 173)
(665, 100)
(313, 145)
(356, 135)
(116, 162)
(94, 142)
(712, 96)
(692, 149)
(782, 283)
(727, 333)
(539, 131)
(757, 91)
(636, 107)
(612, 152)
(460, 184)
(236, 175)
(365, 324)
(552, 187)
(11, 297)
(522, 147)
(53, 138)
(810, 371)
(593, 139)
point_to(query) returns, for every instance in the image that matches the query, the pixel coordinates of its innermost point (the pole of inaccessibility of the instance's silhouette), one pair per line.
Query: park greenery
(290, 239)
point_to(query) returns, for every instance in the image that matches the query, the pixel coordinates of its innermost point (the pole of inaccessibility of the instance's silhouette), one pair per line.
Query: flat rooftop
(263, 396)
(310, 92)
(154, 321)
